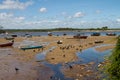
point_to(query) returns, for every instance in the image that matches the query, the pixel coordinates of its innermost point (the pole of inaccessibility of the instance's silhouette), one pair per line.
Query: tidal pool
(84, 57)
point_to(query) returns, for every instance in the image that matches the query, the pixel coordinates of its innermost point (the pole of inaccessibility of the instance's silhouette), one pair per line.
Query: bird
(16, 69)
(70, 67)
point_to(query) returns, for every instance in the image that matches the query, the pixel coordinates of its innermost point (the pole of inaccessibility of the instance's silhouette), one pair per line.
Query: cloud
(14, 4)
(10, 16)
(5, 15)
(98, 11)
(64, 13)
(118, 20)
(20, 18)
(43, 9)
(78, 15)
(8, 19)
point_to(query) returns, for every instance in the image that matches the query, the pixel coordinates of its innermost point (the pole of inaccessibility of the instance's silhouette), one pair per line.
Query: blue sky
(42, 14)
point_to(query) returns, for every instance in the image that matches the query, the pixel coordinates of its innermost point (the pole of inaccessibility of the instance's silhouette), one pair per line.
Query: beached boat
(78, 36)
(9, 38)
(95, 34)
(14, 35)
(49, 34)
(110, 34)
(98, 41)
(31, 47)
(6, 44)
(59, 42)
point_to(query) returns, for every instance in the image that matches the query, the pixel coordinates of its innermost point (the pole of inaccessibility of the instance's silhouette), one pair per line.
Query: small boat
(9, 38)
(64, 34)
(7, 44)
(95, 34)
(49, 34)
(31, 47)
(98, 41)
(59, 42)
(13, 35)
(78, 36)
(110, 34)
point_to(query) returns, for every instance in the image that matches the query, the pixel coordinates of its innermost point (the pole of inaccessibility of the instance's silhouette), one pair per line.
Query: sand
(11, 57)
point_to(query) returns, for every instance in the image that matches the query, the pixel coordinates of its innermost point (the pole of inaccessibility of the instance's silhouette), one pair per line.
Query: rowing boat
(6, 44)
(31, 47)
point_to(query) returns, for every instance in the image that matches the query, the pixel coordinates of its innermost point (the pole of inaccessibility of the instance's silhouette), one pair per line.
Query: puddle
(91, 55)
(84, 57)
(41, 56)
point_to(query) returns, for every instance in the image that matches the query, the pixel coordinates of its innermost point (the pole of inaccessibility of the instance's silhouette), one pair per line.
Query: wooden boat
(98, 41)
(78, 36)
(49, 34)
(95, 34)
(7, 44)
(9, 38)
(14, 35)
(31, 47)
(110, 34)
(64, 34)
(59, 42)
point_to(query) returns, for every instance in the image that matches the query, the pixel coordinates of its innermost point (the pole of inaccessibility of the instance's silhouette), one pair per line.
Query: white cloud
(9, 20)
(14, 4)
(43, 9)
(10, 16)
(20, 18)
(70, 17)
(98, 11)
(118, 20)
(64, 13)
(5, 15)
(78, 15)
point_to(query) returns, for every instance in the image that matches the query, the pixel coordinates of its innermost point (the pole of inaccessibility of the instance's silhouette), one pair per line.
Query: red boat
(110, 34)
(80, 36)
(7, 44)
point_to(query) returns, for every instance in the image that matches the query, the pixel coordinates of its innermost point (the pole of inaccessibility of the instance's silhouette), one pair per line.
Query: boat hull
(6, 44)
(31, 47)
(80, 37)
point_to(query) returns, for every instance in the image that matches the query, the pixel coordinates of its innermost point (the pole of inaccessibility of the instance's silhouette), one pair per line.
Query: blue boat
(31, 47)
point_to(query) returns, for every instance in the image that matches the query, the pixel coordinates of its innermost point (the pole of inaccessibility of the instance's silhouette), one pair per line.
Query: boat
(95, 34)
(9, 38)
(59, 42)
(78, 36)
(110, 34)
(14, 35)
(31, 47)
(49, 34)
(98, 41)
(6, 44)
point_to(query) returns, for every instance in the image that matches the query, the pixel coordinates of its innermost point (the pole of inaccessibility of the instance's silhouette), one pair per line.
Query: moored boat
(78, 36)
(95, 34)
(110, 34)
(98, 41)
(9, 38)
(31, 47)
(6, 44)
(14, 35)
(49, 34)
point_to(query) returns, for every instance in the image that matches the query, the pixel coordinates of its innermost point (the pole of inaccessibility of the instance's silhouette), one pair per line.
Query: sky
(44, 14)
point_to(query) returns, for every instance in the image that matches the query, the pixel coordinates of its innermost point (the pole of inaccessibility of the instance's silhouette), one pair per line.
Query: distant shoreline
(59, 30)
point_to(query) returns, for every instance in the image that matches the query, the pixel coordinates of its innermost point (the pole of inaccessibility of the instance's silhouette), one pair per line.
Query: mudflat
(28, 69)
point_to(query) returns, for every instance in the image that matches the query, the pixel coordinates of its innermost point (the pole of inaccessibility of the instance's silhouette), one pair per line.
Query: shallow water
(91, 55)
(103, 33)
(84, 57)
